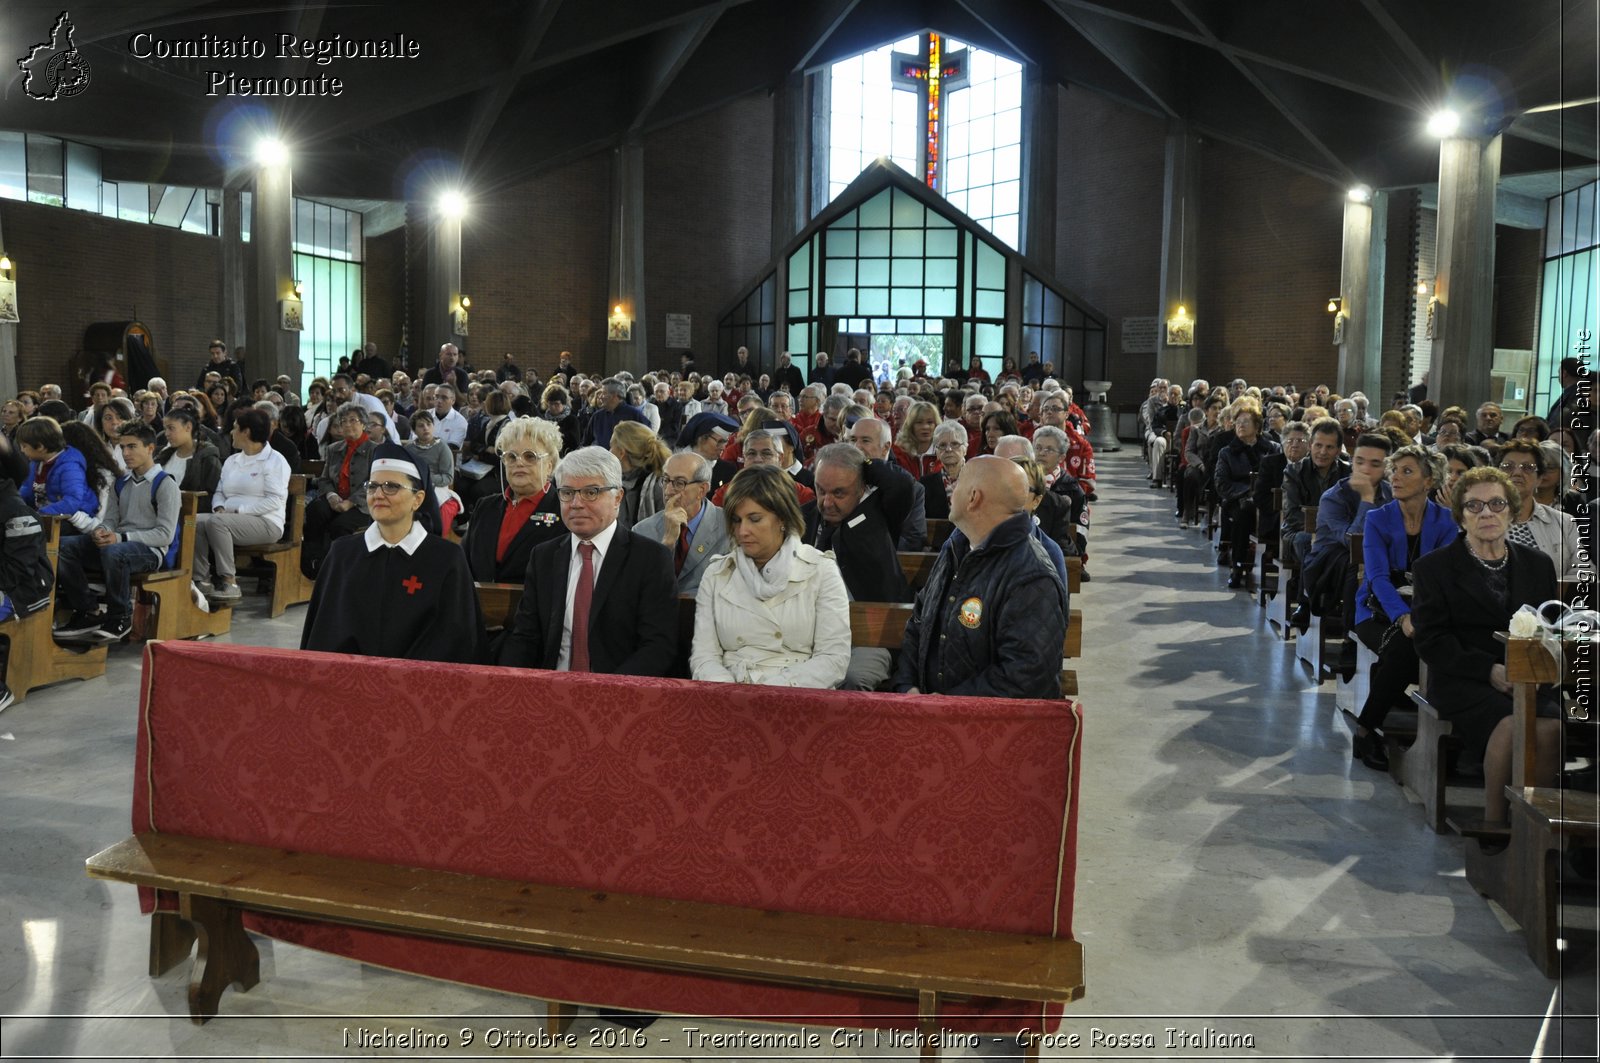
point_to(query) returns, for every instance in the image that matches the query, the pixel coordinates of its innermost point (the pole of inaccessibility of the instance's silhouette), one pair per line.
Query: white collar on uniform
(374, 538)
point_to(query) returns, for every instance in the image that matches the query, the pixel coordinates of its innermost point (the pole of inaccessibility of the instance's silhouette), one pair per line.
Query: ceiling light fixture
(1444, 123)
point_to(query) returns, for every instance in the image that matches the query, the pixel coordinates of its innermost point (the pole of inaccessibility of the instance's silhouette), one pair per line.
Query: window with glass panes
(327, 262)
(1569, 324)
(945, 111)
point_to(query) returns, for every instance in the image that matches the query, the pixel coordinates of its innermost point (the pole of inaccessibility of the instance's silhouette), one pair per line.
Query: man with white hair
(860, 508)
(572, 619)
(1157, 438)
(688, 523)
(873, 438)
(612, 411)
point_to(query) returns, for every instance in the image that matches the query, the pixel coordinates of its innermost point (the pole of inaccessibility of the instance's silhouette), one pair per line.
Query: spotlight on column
(453, 204)
(270, 151)
(1444, 123)
(1360, 194)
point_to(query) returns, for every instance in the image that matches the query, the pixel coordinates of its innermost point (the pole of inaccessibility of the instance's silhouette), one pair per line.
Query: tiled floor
(1237, 874)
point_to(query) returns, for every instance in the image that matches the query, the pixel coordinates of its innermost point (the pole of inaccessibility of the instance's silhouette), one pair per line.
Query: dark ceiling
(502, 90)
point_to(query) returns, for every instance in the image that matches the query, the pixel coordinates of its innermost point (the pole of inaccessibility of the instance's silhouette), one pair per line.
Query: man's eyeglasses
(1053, 409)
(678, 483)
(527, 457)
(1478, 505)
(389, 488)
(588, 494)
(1515, 467)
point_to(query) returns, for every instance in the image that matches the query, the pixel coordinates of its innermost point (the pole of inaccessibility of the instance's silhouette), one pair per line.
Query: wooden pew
(36, 659)
(917, 565)
(938, 532)
(221, 869)
(1266, 573)
(289, 584)
(875, 625)
(311, 468)
(1524, 876)
(169, 592)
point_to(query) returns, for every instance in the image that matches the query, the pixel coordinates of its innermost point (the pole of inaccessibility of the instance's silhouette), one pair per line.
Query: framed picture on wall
(1180, 331)
(291, 315)
(8, 301)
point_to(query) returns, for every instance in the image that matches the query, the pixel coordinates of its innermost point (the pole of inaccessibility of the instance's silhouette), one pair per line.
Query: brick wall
(1269, 260)
(534, 260)
(708, 221)
(74, 269)
(383, 283)
(1110, 160)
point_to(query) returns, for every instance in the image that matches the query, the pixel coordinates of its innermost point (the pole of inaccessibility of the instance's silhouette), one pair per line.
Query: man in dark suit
(601, 599)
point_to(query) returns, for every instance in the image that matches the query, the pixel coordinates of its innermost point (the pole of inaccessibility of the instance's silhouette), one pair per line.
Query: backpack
(170, 560)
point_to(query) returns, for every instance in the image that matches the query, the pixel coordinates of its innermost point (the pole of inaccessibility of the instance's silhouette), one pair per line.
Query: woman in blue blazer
(1396, 534)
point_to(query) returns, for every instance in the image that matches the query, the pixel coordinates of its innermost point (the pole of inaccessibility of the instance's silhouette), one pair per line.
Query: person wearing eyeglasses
(506, 526)
(950, 440)
(340, 507)
(1464, 594)
(688, 523)
(397, 589)
(1534, 524)
(602, 598)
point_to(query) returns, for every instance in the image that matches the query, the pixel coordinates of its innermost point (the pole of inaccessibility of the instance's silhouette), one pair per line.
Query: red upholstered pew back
(944, 811)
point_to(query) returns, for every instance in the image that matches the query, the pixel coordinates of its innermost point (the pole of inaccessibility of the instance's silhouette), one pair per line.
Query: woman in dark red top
(507, 525)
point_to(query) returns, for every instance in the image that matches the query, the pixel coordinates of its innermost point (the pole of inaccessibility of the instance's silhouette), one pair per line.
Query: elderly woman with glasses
(1464, 594)
(397, 590)
(506, 526)
(1542, 527)
(950, 447)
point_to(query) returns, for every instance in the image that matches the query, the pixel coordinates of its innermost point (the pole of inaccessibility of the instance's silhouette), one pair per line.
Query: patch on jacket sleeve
(971, 614)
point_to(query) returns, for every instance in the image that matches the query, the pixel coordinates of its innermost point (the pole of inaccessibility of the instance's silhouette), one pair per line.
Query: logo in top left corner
(55, 69)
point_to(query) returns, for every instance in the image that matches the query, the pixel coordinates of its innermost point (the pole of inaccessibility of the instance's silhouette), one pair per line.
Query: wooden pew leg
(558, 1016)
(928, 1022)
(171, 942)
(227, 955)
(289, 584)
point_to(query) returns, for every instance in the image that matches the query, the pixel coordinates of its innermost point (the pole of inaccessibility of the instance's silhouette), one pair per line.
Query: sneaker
(113, 629)
(228, 592)
(78, 624)
(6, 697)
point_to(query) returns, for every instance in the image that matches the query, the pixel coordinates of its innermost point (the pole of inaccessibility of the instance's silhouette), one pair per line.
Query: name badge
(859, 518)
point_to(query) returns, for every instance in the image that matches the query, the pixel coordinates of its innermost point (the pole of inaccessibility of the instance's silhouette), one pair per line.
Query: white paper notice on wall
(678, 330)
(1139, 335)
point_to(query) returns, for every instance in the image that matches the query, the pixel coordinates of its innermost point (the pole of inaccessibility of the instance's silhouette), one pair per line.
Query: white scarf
(764, 583)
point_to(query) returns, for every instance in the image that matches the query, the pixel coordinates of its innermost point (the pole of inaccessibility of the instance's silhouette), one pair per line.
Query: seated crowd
(1460, 524)
(767, 503)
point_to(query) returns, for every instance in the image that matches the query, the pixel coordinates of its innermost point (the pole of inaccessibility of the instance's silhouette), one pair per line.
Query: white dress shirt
(602, 544)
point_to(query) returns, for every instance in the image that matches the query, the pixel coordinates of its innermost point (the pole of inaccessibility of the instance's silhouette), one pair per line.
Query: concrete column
(443, 296)
(271, 350)
(821, 111)
(1180, 259)
(627, 260)
(233, 285)
(1039, 168)
(1361, 273)
(9, 376)
(1463, 320)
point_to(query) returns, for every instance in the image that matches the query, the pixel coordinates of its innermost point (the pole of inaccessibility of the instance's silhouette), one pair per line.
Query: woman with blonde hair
(913, 446)
(773, 611)
(643, 456)
(505, 527)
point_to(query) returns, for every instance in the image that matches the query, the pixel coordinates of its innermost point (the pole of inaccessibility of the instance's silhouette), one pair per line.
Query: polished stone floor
(1236, 872)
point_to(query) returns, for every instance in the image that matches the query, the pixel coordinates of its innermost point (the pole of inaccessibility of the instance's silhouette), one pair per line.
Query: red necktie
(682, 551)
(581, 598)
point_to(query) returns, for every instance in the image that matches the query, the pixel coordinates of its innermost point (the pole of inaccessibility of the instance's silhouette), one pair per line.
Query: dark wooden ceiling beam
(491, 102)
(1147, 61)
(668, 53)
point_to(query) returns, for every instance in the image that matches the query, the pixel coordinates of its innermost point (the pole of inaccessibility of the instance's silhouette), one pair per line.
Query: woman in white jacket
(248, 509)
(774, 611)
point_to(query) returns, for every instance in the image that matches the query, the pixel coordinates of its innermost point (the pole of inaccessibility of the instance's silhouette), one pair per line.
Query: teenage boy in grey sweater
(136, 531)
